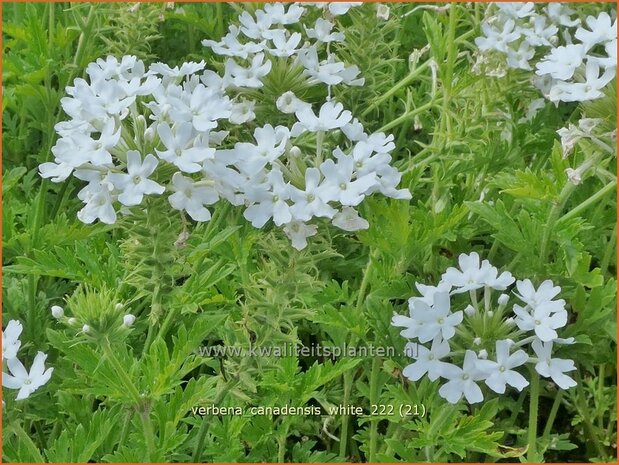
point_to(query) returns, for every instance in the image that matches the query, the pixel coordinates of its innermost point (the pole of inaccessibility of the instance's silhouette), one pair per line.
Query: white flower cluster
(26, 382)
(573, 61)
(483, 342)
(136, 132)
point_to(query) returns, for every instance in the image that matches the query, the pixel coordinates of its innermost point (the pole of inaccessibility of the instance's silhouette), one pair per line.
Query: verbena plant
(437, 180)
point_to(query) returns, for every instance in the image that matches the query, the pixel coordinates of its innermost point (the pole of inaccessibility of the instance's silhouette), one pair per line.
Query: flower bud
(470, 310)
(128, 320)
(510, 321)
(294, 151)
(57, 311)
(72, 321)
(85, 328)
(149, 134)
(477, 341)
(503, 299)
(490, 313)
(483, 354)
(118, 306)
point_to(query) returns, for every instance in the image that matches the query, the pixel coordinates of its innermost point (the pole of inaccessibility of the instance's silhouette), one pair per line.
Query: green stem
(281, 442)
(552, 219)
(533, 404)
(409, 115)
(320, 135)
(152, 322)
(120, 371)
(345, 418)
(82, 41)
(611, 186)
(125, 429)
(374, 396)
(584, 413)
(197, 452)
(404, 82)
(449, 70)
(149, 435)
(600, 393)
(348, 376)
(553, 414)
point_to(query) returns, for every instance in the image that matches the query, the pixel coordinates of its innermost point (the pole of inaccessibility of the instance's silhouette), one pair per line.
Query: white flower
(516, 10)
(500, 372)
(258, 27)
(542, 34)
(57, 311)
(322, 32)
(560, 13)
(249, 77)
(602, 30)
(471, 275)
(428, 361)
(519, 59)
(569, 137)
(428, 292)
(270, 202)
(339, 184)
(180, 149)
(192, 197)
(58, 172)
(10, 339)
(591, 89)
(284, 45)
(327, 72)
(349, 220)
(382, 11)
(298, 232)
(341, 8)
(497, 39)
(309, 202)
(185, 69)
(331, 116)
(289, 103)
(542, 320)
(554, 368)
(26, 382)
(436, 319)
(243, 112)
(270, 145)
(562, 61)
(230, 45)
(462, 381)
(573, 176)
(202, 107)
(136, 184)
(98, 205)
(542, 296)
(365, 160)
(278, 15)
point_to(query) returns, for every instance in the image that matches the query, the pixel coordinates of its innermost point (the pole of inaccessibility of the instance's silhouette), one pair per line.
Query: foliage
(483, 179)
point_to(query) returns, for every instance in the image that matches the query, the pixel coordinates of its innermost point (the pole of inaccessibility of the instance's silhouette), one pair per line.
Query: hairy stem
(374, 395)
(533, 404)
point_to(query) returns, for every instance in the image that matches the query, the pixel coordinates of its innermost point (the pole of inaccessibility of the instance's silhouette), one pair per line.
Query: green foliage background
(481, 180)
